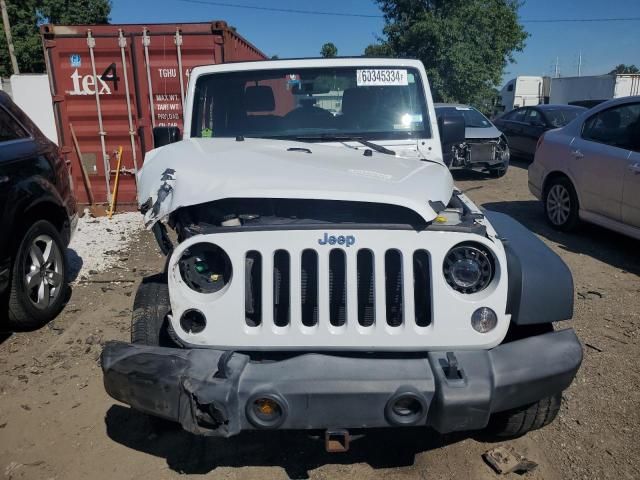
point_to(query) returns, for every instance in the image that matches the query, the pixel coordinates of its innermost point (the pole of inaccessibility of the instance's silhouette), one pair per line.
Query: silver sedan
(590, 169)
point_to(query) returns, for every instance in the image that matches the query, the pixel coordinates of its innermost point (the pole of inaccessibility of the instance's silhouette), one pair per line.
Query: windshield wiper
(347, 138)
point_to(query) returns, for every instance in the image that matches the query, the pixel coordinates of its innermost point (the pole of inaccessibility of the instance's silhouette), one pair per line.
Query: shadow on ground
(462, 175)
(601, 244)
(520, 162)
(294, 451)
(74, 264)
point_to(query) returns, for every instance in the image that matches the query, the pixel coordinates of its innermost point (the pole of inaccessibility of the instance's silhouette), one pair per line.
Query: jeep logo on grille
(347, 240)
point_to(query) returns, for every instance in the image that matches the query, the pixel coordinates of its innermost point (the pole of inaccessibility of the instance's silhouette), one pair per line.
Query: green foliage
(26, 15)
(23, 19)
(329, 50)
(465, 45)
(622, 69)
(378, 50)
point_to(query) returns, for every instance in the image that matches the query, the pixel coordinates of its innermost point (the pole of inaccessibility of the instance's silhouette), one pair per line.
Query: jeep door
(600, 160)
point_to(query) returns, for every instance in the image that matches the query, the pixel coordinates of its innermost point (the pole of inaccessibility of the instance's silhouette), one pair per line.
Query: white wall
(32, 94)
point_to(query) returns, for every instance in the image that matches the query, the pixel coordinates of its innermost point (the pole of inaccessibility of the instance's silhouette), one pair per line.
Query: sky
(603, 45)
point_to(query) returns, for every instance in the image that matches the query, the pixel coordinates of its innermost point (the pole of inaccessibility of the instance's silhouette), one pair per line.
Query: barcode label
(381, 77)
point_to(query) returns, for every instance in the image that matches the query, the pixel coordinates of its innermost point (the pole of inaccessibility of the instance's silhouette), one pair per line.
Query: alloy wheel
(558, 204)
(42, 271)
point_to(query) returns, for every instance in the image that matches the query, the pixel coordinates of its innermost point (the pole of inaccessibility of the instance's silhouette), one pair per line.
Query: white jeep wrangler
(327, 274)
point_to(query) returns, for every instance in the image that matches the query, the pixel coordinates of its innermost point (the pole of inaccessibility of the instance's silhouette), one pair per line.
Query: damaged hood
(485, 132)
(200, 170)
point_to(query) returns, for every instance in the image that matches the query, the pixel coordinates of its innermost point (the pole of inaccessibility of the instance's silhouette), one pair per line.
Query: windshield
(318, 103)
(472, 117)
(559, 118)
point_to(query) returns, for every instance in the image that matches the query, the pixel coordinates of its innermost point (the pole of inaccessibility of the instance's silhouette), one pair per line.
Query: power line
(364, 15)
(565, 20)
(281, 10)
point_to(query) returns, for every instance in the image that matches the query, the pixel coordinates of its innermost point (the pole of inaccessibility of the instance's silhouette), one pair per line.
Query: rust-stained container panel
(156, 58)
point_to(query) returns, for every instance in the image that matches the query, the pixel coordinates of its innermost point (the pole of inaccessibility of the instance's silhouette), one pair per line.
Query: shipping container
(111, 84)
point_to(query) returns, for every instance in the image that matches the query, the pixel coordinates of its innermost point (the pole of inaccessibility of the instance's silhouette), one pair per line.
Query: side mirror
(165, 135)
(452, 129)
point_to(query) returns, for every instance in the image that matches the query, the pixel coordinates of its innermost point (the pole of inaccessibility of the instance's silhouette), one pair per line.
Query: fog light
(266, 411)
(406, 408)
(193, 321)
(484, 320)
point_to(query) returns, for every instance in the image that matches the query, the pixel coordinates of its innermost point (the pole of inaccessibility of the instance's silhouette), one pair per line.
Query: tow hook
(336, 441)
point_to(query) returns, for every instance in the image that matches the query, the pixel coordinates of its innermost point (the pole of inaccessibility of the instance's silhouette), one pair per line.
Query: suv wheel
(38, 278)
(518, 421)
(561, 204)
(149, 324)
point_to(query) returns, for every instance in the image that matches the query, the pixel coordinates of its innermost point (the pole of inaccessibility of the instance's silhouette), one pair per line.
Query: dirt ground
(57, 422)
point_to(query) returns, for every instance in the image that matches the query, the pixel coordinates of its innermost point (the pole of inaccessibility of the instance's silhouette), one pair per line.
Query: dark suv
(37, 217)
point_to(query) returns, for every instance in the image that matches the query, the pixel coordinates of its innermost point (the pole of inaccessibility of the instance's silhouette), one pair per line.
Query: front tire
(38, 278)
(150, 326)
(561, 204)
(149, 322)
(518, 421)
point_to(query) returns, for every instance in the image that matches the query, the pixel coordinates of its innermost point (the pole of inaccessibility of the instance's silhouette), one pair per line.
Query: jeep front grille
(306, 290)
(378, 298)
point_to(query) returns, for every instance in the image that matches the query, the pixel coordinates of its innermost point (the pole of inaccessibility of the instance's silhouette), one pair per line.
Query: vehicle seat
(258, 100)
(391, 106)
(357, 108)
(607, 129)
(633, 135)
(307, 115)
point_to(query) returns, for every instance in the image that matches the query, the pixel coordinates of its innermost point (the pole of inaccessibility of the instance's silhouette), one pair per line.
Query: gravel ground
(56, 421)
(98, 242)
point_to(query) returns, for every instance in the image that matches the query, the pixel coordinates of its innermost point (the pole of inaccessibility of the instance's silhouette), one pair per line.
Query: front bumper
(207, 391)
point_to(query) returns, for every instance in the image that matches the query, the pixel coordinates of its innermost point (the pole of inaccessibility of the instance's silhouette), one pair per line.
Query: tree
(622, 69)
(378, 50)
(26, 15)
(465, 45)
(329, 50)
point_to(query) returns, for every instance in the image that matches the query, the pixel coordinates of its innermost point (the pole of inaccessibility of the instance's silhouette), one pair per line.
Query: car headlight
(468, 267)
(205, 267)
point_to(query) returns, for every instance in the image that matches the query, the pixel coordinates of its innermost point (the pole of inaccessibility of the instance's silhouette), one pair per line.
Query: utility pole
(7, 31)
(557, 67)
(580, 63)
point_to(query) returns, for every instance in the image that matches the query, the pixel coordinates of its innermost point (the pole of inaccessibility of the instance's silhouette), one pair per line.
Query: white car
(327, 274)
(590, 169)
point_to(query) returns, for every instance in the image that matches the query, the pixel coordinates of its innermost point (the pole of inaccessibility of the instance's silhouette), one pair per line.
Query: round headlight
(205, 267)
(468, 267)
